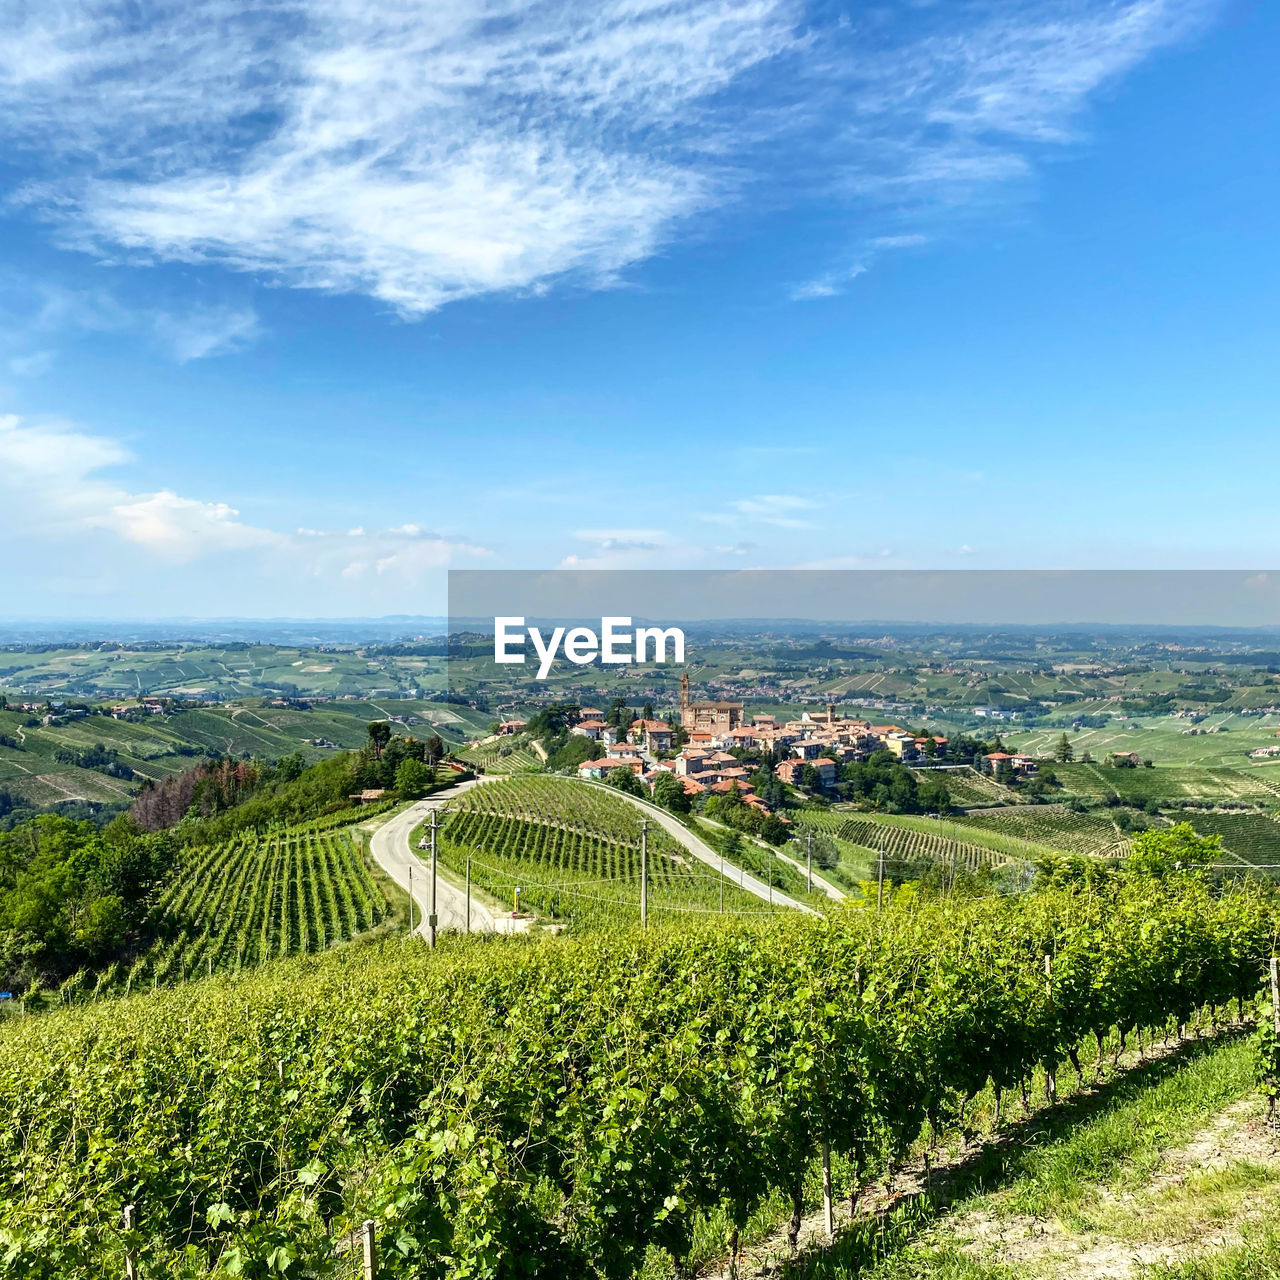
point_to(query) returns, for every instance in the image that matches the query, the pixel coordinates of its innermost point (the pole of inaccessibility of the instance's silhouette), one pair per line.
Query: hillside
(584, 1106)
(36, 767)
(574, 852)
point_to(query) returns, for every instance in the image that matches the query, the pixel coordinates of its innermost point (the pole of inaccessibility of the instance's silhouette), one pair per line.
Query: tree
(626, 781)
(379, 735)
(1157, 851)
(647, 713)
(433, 750)
(1064, 752)
(412, 778)
(669, 792)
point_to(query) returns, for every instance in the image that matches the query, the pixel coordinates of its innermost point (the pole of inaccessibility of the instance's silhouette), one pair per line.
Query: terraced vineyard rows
(236, 905)
(967, 786)
(906, 845)
(502, 755)
(1249, 837)
(1054, 825)
(574, 851)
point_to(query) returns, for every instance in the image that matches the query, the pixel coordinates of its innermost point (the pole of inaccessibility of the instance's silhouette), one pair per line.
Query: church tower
(685, 716)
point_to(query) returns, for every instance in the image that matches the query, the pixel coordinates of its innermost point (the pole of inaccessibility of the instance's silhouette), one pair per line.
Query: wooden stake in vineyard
(432, 918)
(468, 919)
(130, 1259)
(808, 860)
(880, 881)
(828, 1200)
(368, 1248)
(1275, 993)
(644, 873)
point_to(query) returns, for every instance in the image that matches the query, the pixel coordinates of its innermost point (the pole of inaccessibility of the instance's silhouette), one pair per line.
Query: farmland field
(578, 1105)
(1055, 825)
(1248, 837)
(250, 900)
(574, 851)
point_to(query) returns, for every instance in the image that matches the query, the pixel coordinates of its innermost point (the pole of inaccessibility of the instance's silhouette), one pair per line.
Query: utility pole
(432, 918)
(644, 873)
(809, 860)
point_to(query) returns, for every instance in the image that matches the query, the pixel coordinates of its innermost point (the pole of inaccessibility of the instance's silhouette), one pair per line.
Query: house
(708, 717)
(601, 769)
(731, 784)
(790, 771)
(654, 735)
(508, 727)
(369, 795)
(593, 729)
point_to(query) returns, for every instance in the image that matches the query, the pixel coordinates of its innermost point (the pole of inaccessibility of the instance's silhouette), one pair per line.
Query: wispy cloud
(185, 332)
(418, 153)
(778, 510)
(424, 153)
(206, 331)
(57, 484)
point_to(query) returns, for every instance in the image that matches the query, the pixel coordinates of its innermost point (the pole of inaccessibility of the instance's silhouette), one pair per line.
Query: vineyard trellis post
(468, 916)
(808, 860)
(880, 881)
(130, 1260)
(369, 1250)
(432, 918)
(644, 873)
(1275, 993)
(411, 899)
(828, 1199)
(1050, 1076)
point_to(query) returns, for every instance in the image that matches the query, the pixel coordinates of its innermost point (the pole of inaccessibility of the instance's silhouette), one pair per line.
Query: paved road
(390, 848)
(705, 853)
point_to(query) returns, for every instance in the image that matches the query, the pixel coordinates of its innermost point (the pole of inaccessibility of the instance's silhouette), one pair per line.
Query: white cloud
(55, 486)
(779, 510)
(33, 365)
(206, 331)
(418, 153)
(190, 332)
(421, 153)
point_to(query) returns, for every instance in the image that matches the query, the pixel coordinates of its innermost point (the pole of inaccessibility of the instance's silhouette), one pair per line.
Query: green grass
(1086, 1165)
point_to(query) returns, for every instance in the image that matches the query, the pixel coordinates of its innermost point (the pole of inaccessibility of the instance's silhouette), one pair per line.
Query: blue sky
(305, 303)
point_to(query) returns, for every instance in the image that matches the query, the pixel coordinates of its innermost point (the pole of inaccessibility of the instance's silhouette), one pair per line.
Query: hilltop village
(713, 749)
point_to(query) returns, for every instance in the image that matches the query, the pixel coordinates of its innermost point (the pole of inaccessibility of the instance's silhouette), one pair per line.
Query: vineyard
(501, 755)
(256, 898)
(921, 841)
(1056, 825)
(966, 786)
(1248, 837)
(565, 1107)
(574, 852)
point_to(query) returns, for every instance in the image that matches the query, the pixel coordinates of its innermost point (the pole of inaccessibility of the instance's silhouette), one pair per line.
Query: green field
(1171, 785)
(1248, 837)
(165, 744)
(574, 851)
(250, 900)
(1056, 825)
(618, 1104)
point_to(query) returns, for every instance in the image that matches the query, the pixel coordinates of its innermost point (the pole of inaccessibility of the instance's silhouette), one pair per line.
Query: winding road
(705, 853)
(392, 852)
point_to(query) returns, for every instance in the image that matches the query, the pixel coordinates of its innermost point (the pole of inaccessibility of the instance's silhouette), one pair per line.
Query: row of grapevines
(556, 1106)
(250, 900)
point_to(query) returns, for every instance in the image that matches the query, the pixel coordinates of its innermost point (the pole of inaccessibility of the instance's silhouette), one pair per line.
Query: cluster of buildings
(821, 740)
